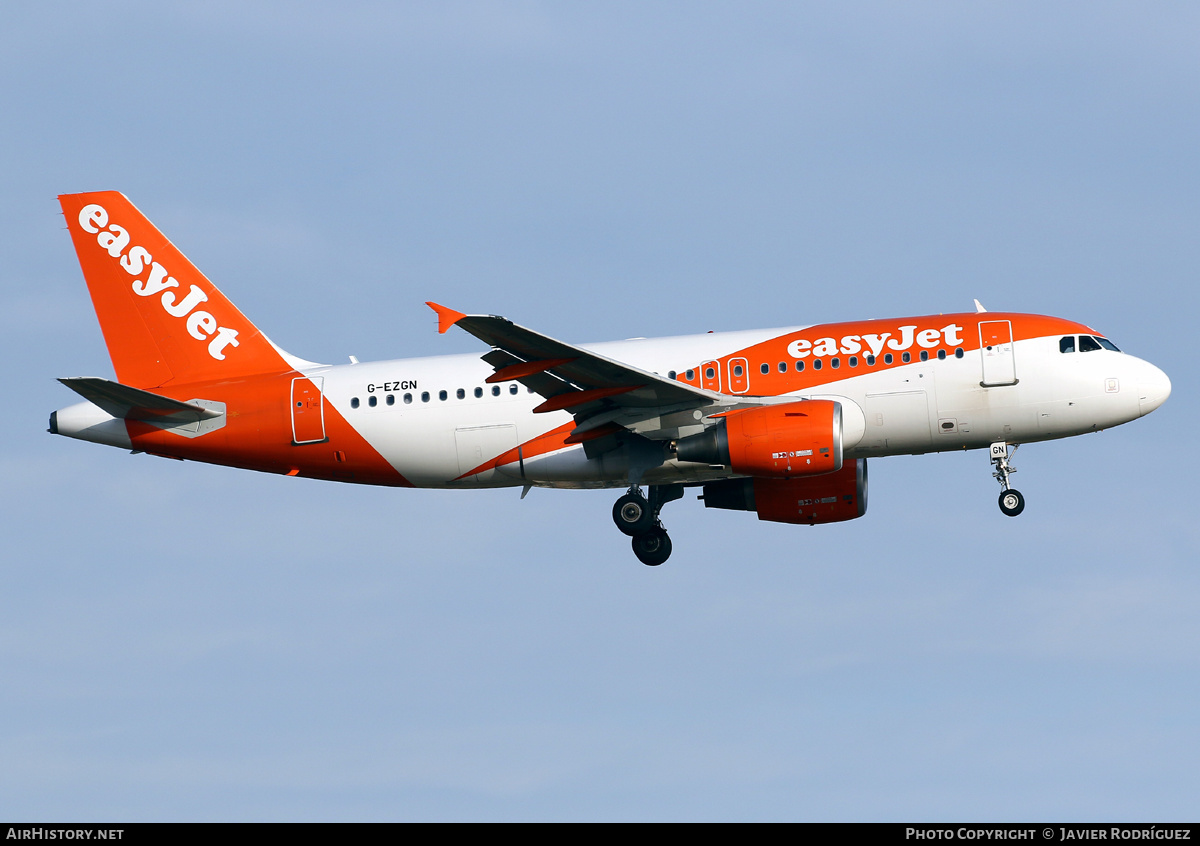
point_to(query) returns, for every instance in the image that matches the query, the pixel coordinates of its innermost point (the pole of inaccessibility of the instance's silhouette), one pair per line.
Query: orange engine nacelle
(824, 499)
(773, 441)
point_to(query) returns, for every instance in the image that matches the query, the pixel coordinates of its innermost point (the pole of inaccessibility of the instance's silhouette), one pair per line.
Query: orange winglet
(447, 317)
(524, 368)
(570, 399)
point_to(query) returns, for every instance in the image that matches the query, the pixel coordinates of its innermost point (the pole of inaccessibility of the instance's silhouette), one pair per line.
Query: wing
(598, 392)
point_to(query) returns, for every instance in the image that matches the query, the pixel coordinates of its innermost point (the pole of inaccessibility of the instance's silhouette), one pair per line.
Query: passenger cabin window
(391, 399)
(870, 360)
(671, 374)
(1088, 344)
(941, 355)
(460, 393)
(408, 399)
(799, 366)
(887, 358)
(783, 367)
(424, 396)
(1067, 344)
(817, 364)
(512, 389)
(442, 395)
(354, 402)
(924, 355)
(478, 393)
(958, 353)
(373, 401)
(495, 390)
(854, 361)
(835, 363)
(764, 368)
(906, 357)
(690, 375)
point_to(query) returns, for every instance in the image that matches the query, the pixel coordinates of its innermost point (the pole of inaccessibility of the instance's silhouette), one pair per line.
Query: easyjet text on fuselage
(876, 343)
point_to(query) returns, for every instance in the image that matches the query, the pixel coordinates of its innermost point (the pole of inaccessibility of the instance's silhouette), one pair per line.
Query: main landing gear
(637, 516)
(1011, 501)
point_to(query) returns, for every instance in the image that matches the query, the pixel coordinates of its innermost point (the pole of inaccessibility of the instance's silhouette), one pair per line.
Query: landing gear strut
(1011, 501)
(637, 517)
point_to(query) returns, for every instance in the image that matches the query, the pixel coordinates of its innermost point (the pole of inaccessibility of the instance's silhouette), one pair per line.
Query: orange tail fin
(163, 321)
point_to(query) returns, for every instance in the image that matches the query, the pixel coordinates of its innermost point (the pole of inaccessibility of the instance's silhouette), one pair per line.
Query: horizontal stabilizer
(126, 403)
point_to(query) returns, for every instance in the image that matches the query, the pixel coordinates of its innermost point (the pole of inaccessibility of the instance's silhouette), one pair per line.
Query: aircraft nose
(1153, 388)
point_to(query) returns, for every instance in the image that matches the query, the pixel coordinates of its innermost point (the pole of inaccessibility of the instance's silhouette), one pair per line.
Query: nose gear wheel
(1011, 502)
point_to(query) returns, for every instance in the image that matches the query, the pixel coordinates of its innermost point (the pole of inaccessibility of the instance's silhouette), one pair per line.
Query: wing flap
(542, 383)
(524, 368)
(574, 399)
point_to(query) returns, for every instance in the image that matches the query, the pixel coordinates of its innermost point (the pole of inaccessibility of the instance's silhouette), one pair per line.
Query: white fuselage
(433, 437)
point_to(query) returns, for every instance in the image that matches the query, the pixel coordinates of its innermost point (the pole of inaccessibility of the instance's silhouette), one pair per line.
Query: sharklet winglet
(447, 317)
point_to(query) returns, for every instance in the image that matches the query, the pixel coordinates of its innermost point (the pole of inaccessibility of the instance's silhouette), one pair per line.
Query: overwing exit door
(739, 376)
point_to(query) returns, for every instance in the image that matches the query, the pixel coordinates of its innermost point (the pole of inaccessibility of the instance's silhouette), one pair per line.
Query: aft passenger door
(308, 410)
(996, 349)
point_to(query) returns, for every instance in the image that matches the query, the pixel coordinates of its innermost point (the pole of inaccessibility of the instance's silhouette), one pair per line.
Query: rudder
(163, 320)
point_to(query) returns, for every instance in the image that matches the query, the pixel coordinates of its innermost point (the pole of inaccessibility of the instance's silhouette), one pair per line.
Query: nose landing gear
(637, 517)
(1012, 502)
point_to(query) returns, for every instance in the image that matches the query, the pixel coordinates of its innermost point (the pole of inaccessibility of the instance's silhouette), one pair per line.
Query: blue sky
(188, 642)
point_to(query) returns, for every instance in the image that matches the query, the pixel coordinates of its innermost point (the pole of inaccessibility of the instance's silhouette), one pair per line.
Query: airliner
(779, 422)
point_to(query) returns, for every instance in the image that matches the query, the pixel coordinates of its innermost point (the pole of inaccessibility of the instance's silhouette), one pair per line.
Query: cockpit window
(1067, 344)
(1107, 344)
(1088, 344)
